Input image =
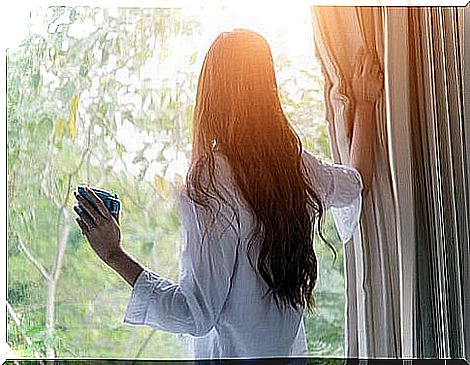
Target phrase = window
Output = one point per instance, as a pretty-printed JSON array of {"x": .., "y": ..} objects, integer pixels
[{"x": 105, "y": 96}]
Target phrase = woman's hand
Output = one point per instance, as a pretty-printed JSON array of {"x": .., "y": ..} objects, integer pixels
[
  {"x": 99, "y": 226},
  {"x": 367, "y": 82}
]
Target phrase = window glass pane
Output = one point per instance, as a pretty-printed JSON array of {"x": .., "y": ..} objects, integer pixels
[{"x": 105, "y": 96}]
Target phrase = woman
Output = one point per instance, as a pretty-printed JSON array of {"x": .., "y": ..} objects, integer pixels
[{"x": 252, "y": 200}]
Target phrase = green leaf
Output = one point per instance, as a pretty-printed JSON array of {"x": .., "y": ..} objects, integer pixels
[
  {"x": 161, "y": 185},
  {"x": 73, "y": 115},
  {"x": 120, "y": 148},
  {"x": 59, "y": 127}
]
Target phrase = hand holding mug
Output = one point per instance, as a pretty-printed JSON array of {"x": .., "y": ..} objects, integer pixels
[{"x": 98, "y": 225}]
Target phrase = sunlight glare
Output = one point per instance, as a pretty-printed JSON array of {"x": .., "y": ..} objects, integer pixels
[{"x": 268, "y": 19}]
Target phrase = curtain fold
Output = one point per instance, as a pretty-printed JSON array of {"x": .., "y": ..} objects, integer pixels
[
  {"x": 371, "y": 259},
  {"x": 443, "y": 213},
  {"x": 407, "y": 270}
]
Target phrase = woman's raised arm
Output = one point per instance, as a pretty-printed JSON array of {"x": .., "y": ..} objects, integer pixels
[{"x": 367, "y": 85}]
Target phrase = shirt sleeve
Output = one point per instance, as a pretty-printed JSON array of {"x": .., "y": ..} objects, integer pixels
[
  {"x": 193, "y": 304},
  {"x": 341, "y": 187}
]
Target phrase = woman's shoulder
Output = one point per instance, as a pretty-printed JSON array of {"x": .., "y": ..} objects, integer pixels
[
  {"x": 340, "y": 183},
  {"x": 321, "y": 166},
  {"x": 202, "y": 167},
  {"x": 316, "y": 165},
  {"x": 208, "y": 175},
  {"x": 307, "y": 155}
]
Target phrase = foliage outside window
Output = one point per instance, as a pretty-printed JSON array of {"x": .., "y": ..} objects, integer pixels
[{"x": 105, "y": 97}]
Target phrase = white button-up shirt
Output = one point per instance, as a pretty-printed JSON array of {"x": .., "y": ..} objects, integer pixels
[{"x": 217, "y": 305}]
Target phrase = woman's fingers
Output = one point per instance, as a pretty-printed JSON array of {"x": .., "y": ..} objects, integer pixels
[
  {"x": 374, "y": 70},
  {"x": 368, "y": 63},
  {"x": 367, "y": 79},
  {"x": 360, "y": 53},
  {"x": 378, "y": 71},
  {"x": 87, "y": 206},
  {"x": 82, "y": 225},
  {"x": 365, "y": 62},
  {"x": 357, "y": 70},
  {"x": 84, "y": 217},
  {"x": 358, "y": 61},
  {"x": 102, "y": 210}
]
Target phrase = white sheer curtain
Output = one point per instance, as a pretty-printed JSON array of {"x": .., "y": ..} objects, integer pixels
[
  {"x": 371, "y": 259},
  {"x": 407, "y": 271}
]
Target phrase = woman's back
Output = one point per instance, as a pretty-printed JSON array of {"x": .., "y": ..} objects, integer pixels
[
  {"x": 272, "y": 201},
  {"x": 235, "y": 301},
  {"x": 249, "y": 324},
  {"x": 225, "y": 295}
]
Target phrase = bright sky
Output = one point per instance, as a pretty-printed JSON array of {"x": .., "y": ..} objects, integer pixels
[{"x": 293, "y": 20}]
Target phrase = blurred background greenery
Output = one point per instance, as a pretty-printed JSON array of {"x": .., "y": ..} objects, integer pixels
[{"x": 104, "y": 96}]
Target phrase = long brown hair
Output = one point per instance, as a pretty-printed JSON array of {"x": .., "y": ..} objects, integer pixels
[{"x": 238, "y": 112}]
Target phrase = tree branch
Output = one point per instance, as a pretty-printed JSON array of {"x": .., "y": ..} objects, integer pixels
[
  {"x": 16, "y": 320},
  {"x": 30, "y": 257},
  {"x": 144, "y": 345},
  {"x": 62, "y": 243}
]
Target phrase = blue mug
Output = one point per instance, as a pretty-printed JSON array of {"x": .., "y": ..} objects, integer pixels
[{"x": 110, "y": 200}]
